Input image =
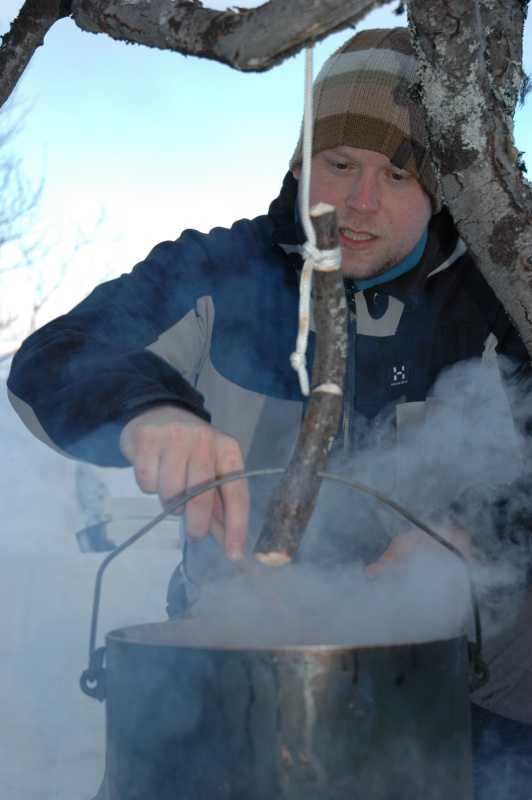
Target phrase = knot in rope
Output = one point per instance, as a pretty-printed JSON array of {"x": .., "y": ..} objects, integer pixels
[
  {"x": 311, "y": 252},
  {"x": 322, "y": 259}
]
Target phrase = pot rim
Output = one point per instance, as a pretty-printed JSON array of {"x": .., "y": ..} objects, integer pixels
[{"x": 209, "y": 634}]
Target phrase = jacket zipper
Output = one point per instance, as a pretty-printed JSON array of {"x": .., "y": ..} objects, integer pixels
[{"x": 349, "y": 389}]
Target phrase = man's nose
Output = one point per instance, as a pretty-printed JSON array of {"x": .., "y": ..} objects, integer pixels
[{"x": 363, "y": 194}]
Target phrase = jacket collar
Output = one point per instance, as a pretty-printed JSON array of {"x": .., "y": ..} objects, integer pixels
[{"x": 443, "y": 247}]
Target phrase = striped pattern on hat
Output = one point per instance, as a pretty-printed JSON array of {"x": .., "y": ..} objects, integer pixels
[{"x": 363, "y": 98}]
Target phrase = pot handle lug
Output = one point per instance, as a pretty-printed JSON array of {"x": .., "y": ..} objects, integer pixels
[
  {"x": 479, "y": 672},
  {"x": 93, "y": 679}
]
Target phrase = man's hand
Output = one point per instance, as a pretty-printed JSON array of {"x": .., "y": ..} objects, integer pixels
[
  {"x": 405, "y": 545},
  {"x": 172, "y": 451}
]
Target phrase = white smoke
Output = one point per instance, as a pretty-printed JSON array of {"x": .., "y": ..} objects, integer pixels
[
  {"x": 52, "y": 737},
  {"x": 47, "y": 583}
]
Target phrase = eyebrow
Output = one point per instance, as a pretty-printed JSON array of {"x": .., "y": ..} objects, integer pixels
[
  {"x": 337, "y": 153},
  {"x": 337, "y": 150},
  {"x": 340, "y": 156}
]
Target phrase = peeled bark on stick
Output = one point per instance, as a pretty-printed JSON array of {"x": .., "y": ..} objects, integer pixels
[{"x": 292, "y": 501}]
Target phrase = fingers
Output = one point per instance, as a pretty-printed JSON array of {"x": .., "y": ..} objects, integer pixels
[
  {"x": 399, "y": 551},
  {"x": 213, "y": 455},
  {"x": 235, "y": 500},
  {"x": 141, "y": 446},
  {"x": 236, "y": 514},
  {"x": 404, "y": 545},
  {"x": 173, "y": 452},
  {"x": 200, "y": 468},
  {"x": 225, "y": 512}
]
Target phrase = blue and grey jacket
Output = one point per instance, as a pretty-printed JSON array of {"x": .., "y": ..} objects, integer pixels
[{"x": 208, "y": 323}]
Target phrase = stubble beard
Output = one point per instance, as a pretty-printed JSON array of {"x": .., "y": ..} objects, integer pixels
[
  {"x": 354, "y": 267},
  {"x": 358, "y": 265}
]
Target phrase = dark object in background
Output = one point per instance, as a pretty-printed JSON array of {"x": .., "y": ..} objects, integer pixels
[
  {"x": 93, "y": 538},
  {"x": 92, "y": 495}
]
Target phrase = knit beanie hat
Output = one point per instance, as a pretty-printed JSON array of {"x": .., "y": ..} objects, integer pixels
[{"x": 363, "y": 98}]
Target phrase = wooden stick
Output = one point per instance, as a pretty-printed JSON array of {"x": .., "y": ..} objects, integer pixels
[
  {"x": 256, "y": 579},
  {"x": 292, "y": 501}
]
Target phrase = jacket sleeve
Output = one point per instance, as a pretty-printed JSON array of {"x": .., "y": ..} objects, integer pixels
[{"x": 78, "y": 380}]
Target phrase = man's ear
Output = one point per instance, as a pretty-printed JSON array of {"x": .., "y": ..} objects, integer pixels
[{"x": 296, "y": 172}]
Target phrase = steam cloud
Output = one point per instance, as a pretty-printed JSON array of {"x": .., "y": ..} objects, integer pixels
[{"x": 465, "y": 454}]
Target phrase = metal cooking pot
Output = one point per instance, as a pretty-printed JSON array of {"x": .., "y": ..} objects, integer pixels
[
  {"x": 196, "y": 712},
  {"x": 191, "y": 717}
]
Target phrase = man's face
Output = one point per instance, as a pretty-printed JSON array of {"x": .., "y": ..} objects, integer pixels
[{"x": 382, "y": 211}]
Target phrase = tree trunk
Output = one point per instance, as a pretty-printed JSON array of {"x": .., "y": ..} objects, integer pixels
[
  {"x": 470, "y": 67},
  {"x": 26, "y": 34}
]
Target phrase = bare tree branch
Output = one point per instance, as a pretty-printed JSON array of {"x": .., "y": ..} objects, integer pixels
[
  {"x": 254, "y": 40},
  {"x": 249, "y": 40},
  {"x": 470, "y": 53},
  {"x": 26, "y": 34}
]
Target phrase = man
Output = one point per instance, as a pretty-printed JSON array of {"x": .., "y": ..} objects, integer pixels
[{"x": 122, "y": 378}]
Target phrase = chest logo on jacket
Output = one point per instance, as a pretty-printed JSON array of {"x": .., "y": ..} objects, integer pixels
[{"x": 399, "y": 374}]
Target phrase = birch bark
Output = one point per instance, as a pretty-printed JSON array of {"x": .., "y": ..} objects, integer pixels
[{"x": 470, "y": 55}]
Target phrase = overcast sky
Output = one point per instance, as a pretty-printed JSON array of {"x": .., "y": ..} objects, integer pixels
[{"x": 156, "y": 142}]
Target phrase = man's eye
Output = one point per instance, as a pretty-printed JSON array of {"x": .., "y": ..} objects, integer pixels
[
  {"x": 341, "y": 166},
  {"x": 396, "y": 176}
]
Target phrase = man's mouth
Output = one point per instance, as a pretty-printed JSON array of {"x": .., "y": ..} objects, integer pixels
[{"x": 356, "y": 237}]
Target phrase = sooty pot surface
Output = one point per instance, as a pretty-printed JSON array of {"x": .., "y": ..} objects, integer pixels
[{"x": 199, "y": 710}]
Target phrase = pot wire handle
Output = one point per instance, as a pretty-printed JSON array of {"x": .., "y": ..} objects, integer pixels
[
  {"x": 92, "y": 681},
  {"x": 479, "y": 674}
]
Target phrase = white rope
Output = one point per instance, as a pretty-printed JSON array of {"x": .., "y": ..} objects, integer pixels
[
  {"x": 314, "y": 257},
  {"x": 304, "y": 194},
  {"x": 324, "y": 260}
]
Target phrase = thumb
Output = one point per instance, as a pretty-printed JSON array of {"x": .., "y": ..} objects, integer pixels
[{"x": 397, "y": 552}]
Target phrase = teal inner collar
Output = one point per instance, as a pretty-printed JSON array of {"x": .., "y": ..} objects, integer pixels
[{"x": 408, "y": 263}]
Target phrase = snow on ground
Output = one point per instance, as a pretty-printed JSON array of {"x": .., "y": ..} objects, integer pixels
[{"x": 52, "y": 737}]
